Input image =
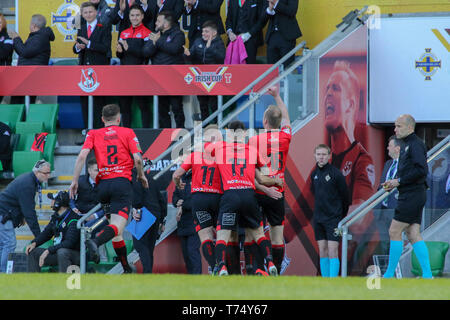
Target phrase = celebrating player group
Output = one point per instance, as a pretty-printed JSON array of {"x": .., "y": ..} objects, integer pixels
[{"x": 237, "y": 185}]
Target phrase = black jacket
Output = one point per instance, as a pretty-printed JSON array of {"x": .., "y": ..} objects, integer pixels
[
  {"x": 97, "y": 53},
  {"x": 285, "y": 19},
  {"x": 412, "y": 164},
  {"x": 247, "y": 18},
  {"x": 17, "y": 202},
  {"x": 215, "y": 54},
  {"x": 87, "y": 196},
  {"x": 135, "y": 38},
  {"x": 392, "y": 199},
  {"x": 5, "y": 142},
  {"x": 205, "y": 10},
  {"x": 36, "y": 50},
  {"x": 105, "y": 18},
  {"x": 168, "y": 49},
  {"x": 174, "y": 6},
  {"x": 151, "y": 198},
  {"x": 331, "y": 194},
  {"x": 185, "y": 227},
  {"x": 125, "y": 23},
  {"x": 6, "y": 48},
  {"x": 64, "y": 226}
]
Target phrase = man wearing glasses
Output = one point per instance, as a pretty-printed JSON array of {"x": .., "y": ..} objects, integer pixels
[{"x": 17, "y": 206}]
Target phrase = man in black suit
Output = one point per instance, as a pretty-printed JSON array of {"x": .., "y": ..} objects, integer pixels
[
  {"x": 166, "y": 47},
  {"x": 244, "y": 19},
  {"x": 283, "y": 29},
  {"x": 92, "y": 49},
  {"x": 104, "y": 17},
  {"x": 121, "y": 13},
  {"x": 200, "y": 12},
  {"x": 157, "y": 6},
  {"x": 384, "y": 212},
  {"x": 87, "y": 196}
]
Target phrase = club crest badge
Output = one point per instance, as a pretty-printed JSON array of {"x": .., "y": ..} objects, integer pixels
[{"x": 89, "y": 81}]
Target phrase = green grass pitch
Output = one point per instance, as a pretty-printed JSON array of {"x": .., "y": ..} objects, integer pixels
[{"x": 204, "y": 287}]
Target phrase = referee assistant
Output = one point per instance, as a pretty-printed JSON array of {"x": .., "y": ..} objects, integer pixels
[
  {"x": 117, "y": 150},
  {"x": 411, "y": 184},
  {"x": 331, "y": 203}
]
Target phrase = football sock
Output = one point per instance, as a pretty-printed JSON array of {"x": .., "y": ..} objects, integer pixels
[
  {"x": 249, "y": 258},
  {"x": 258, "y": 260},
  {"x": 233, "y": 258},
  {"x": 278, "y": 255},
  {"x": 264, "y": 247},
  {"x": 325, "y": 267},
  {"x": 421, "y": 251},
  {"x": 208, "y": 253},
  {"x": 334, "y": 267},
  {"x": 395, "y": 251},
  {"x": 108, "y": 232},
  {"x": 220, "y": 251},
  {"x": 121, "y": 250}
]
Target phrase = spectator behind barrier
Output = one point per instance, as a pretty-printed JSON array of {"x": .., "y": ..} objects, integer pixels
[
  {"x": 209, "y": 49},
  {"x": 165, "y": 48},
  {"x": 36, "y": 50},
  {"x": 6, "y": 45},
  {"x": 245, "y": 20},
  {"x": 92, "y": 49},
  {"x": 129, "y": 50}
]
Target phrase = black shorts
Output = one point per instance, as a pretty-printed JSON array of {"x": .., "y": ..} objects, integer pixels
[
  {"x": 205, "y": 209},
  {"x": 410, "y": 206},
  {"x": 325, "y": 230},
  {"x": 272, "y": 209},
  {"x": 238, "y": 207},
  {"x": 118, "y": 194}
]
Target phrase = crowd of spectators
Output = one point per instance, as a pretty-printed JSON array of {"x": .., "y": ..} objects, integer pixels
[{"x": 149, "y": 33}]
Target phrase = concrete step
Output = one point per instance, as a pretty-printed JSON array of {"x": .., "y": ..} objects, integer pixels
[{"x": 65, "y": 158}]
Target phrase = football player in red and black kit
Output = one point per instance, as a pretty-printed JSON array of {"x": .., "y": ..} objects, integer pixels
[
  {"x": 236, "y": 161},
  {"x": 117, "y": 150},
  {"x": 206, "y": 188},
  {"x": 273, "y": 148}
]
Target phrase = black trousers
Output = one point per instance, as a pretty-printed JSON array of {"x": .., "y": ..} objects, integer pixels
[
  {"x": 126, "y": 103},
  {"x": 176, "y": 102},
  {"x": 190, "y": 246},
  {"x": 277, "y": 47},
  {"x": 208, "y": 104},
  {"x": 252, "y": 48},
  {"x": 21, "y": 99},
  {"x": 99, "y": 103},
  {"x": 63, "y": 258},
  {"x": 145, "y": 247}
]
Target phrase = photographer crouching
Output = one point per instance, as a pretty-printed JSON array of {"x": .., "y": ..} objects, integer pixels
[{"x": 65, "y": 250}]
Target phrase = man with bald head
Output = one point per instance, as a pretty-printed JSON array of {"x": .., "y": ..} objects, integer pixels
[
  {"x": 411, "y": 184},
  {"x": 342, "y": 102}
]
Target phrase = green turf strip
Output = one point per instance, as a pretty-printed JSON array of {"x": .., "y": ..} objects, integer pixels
[{"x": 185, "y": 287}]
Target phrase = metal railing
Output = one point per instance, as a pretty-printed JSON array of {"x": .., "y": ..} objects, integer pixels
[
  {"x": 219, "y": 111},
  {"x": 83, "y": 232},
  {"x": 253, "y": 98},
  {"x": 372, "y": 202}
]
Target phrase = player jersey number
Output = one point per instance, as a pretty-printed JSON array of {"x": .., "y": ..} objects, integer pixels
[
  {"x": 211, "y": 174},
  {"x": 276, "y": 161},
  {"x": 112, "y": 155},
  {"x": 236, "y": 163}
]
